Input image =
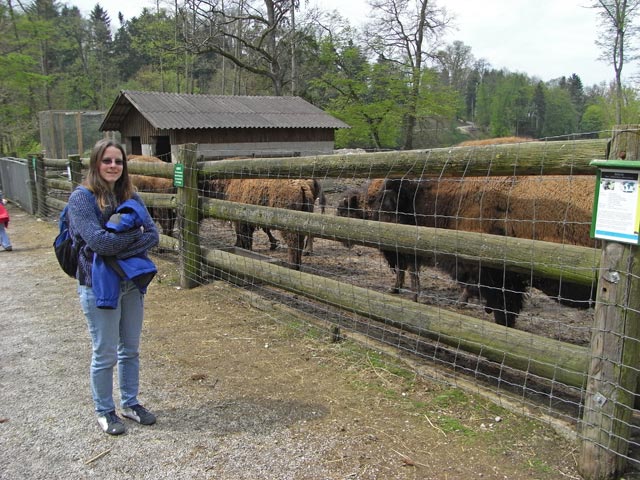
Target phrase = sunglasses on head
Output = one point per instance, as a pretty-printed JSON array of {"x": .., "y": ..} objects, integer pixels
[{"x": 109, "y": 161}]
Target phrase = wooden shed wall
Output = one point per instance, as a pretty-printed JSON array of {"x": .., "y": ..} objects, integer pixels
[
  {"x": 251, "y": 135},
  {"x": 226, "y": 142},
  {"x": 135, "y": 125}
]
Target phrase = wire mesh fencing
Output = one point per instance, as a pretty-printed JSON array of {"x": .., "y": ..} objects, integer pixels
[{"x": 476, "y": 261}]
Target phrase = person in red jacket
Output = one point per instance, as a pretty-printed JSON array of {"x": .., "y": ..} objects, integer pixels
[{"x": 4, "y": 223}]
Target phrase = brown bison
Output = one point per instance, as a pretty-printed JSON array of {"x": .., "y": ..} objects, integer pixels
[
  {"x": 165, "y": 217},
  {"x": 553, "y": 209},
  {"x": 291, "y": 194},
  {"x": 494, "y": 141}
]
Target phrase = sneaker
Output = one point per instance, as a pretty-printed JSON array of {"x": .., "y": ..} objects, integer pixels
[
  {"x": 139, "y": 414},
  {"x": 111, "y": 423},
  {"x": 8, "y": 249}
]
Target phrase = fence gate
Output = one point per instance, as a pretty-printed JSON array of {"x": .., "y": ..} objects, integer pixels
[{"x": 16, "y": 184}]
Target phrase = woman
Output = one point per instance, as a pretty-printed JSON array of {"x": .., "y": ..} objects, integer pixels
[{"x": 115, "y": 331}]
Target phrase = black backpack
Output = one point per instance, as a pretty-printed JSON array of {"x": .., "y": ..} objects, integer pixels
[{"x": 66, "y": 250}]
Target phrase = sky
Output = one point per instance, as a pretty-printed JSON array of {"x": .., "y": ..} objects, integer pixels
[{"x": 542, "y": 38}]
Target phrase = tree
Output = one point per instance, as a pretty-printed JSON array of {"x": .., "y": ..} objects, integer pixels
[
  {"x": 128, "y": 60},
  {"x": 539, "y": 109},
  {"x": 593, "y": 120},
  {"x": 618, "y": 29},
  {"x": 255, "y": 36},
  {"x": 560, "y": 118},
  {"x": 474, "y": 80},
  {"x": 406, "y": 32},
  {"x": 367, "y": 97},
  {"x": 29, "y": 60},
  {"x": 456, "y": 70},
  {"x": 42, "y": 14},
  {"x": 576, "y": 91},
  {"x": 152, "y": 39},
  {"x": 100, "y": 57},
  {"x": 437, "y": 110}
]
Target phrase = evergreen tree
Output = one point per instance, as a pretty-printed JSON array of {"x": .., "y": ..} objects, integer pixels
[
  {"x": 539, "y": 110},
  {"x": 100, "y": 58},
  {"x": 576, "y": 92}
]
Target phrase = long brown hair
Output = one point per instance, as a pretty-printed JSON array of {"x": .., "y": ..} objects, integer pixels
[{"x": 123, "y": 188}]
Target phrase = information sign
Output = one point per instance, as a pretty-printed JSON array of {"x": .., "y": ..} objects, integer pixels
[
  {"x": 617, "y": 206},
  {"x": 178, "y": 175}
]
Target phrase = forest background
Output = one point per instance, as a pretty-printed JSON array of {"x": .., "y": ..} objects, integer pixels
[{"x": 392, "y": 79}]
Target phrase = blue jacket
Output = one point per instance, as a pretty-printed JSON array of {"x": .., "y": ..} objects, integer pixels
[
  {"x": 107, "y": 272},
  {"x": 87, "y": 223}
]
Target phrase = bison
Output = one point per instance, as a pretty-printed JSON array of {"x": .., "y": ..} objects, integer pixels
[
  {"x": 554, "y": 209},
  {"x": 291, "y": 194},
  {"x": 165, "y": 217},
  {"x": 494, "y": 141}
]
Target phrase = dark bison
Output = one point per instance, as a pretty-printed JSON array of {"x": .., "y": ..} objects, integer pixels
[
  {"x": 291, "y": 194},
  {"x": 553, "y": 209}
]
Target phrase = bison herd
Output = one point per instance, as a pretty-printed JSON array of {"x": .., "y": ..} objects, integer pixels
[{"x": 549, "y": 208}]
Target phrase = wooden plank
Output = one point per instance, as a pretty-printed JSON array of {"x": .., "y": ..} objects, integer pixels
[
  {"x": 164, "y": 170},
  {"x": 56, "y": 163},
  {"x": 528, "y": 158},
  {"x": 41, "y": 185},
  {"x": 59, "y": 184},
  {"x": 75, "y": 169},
  {"x": 160, "y": 200}
]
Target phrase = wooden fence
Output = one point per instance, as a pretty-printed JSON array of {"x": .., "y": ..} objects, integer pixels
[{"x": 608, "y": 409}]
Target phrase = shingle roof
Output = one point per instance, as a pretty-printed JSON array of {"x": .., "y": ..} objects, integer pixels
[{"x": 175, "y": 111}]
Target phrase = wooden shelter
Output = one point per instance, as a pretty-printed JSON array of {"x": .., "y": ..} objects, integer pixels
[{"x": 154, "y": 123}]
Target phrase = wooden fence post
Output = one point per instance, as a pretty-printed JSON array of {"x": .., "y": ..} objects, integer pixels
[
  {"x": 605, "y": 428},
  {"x": 75, "y": 170},
  {"x": 40, "y": 184},
  {"x": 188, "y": 217},
  {"x": 31, "y": 167}
]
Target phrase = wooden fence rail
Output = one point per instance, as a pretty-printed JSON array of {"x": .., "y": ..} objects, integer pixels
[{"x": 529, "y": 158}]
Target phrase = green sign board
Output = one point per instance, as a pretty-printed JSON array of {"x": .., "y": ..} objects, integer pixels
[{"x": 178, "y": 175}]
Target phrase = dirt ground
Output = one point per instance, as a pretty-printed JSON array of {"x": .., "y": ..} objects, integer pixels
[{"x": 240, "y": 393}]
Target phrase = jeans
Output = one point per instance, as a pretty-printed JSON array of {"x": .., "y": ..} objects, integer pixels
[
  {"x": 4, "y": 237},
  {"x": 115, "y": 336}
]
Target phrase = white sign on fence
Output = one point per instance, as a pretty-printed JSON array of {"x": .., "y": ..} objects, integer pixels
[{"x": 617, "y": 210}]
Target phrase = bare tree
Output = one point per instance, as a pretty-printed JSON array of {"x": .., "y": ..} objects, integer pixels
[
  {"x": 406, "y": 32},
  {"x": 616, "y": 19},
  {"x": 254, "y": 35},
  {"x": 456, "y": 62}
]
